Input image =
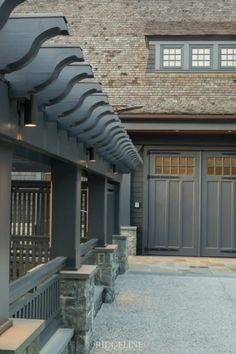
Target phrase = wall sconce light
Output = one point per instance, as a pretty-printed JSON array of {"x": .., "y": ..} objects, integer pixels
[
  {"x": 91, "y": 155},
  {"x": 114, "y": 169},
  {"x": 30, "y": 112}
]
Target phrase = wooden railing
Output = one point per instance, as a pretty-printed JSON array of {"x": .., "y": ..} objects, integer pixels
[
  {"x": 37, "y": 294},
  {"x": 27, "y": 252},
  {"x": 86, "y": 248}
]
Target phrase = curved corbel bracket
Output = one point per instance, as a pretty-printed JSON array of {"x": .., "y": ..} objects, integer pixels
[
  {"x": 98, "y": 117},
  {"x": 115, "y": 148},
  {"x": 86, "y": 137},
  {"x": 60, "y": 88},
  {"x": 21, "y": 38},
  {"x": 84, "y": 111},
  {"x": 114, "y": 138},
  {"x": 73, "y": 101},
  {"x": 43, "y": 70},
  {"x": 124, "y": 156},
  {"x": 99, "y": 134},
  {"x": 126, "y": 150},
  {"x": 6, "y": 7},
  {"x": 103, "y": 136}
]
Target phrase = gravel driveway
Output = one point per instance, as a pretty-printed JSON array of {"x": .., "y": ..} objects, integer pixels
[{"x": 181, "y": 312}]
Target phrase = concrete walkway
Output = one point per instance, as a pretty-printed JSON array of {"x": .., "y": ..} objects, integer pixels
[{"x": 167, "y": 306}]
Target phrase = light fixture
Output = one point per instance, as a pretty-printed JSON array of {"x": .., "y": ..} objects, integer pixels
[
  {"x": 30, "y": 112},
  {"x": 91, "y": 155},
  {"x": 114, "y": 169}
]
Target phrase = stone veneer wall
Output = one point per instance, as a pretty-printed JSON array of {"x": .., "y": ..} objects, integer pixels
[{"x": 112, "y": 34}]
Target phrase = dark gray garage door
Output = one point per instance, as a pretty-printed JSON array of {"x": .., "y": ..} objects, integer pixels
[
  {"x": 218, "y": 200},
  {"x": 173, "y": 224},
  {"x": 191, "y": 209}
]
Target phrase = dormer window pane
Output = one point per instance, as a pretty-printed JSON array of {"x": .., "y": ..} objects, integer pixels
[
  {"x": 172, "y": 57},
  {"x": 228, "y": 57},
  {"x": 201, "y": 57}
]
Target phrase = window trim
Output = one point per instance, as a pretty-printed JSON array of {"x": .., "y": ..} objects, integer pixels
[{"x": 186, "y": 45}]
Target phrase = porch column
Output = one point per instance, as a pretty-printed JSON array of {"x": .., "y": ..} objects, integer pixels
[
  {"x": 6, "y": 155},
  {"x": 125, "y": 200},
  {"x": 97, "y": 208},
  {"x": 66, "y": 200},
  {"x": 117, "y": 210}
]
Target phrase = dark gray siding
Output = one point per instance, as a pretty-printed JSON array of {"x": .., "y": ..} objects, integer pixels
[{"x": 137, "y": 196}]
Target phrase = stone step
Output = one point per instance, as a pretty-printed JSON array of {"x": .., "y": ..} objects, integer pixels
[{"x": 59, "y": 341}]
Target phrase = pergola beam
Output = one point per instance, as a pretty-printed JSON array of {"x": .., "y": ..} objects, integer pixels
[
  {"x": 43, "y": 70},
  {"x": 59, "y": 89},
  {"x": 6, "y": 7},
  {"x": 21, "y": 38}
]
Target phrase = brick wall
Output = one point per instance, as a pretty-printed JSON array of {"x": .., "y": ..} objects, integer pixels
[{"x": 112, "y": 34}]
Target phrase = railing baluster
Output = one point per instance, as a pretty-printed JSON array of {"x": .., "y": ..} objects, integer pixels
[{"x": 27, "y": 252}]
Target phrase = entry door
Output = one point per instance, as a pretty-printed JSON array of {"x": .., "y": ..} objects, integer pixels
[
  {"x": 173, "y": 215},
  {"x": 218, "y": 204}
]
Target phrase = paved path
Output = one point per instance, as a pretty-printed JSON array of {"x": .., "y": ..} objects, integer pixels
[{"x": 170, "y": 309}]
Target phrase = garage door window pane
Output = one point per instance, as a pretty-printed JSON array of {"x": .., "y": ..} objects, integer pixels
[
  {"x": 174, "y": 166},
  {"x": 221, "y": 166},
  {"x": 190, "y": 171}
]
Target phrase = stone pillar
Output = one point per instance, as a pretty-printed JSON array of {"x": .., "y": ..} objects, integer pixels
[
  {"x": 131, "y": 231},
  {"x": 106, "y": 260},
  {"x": 122, "y": 251},
  {"x": 77, "y": 304}
]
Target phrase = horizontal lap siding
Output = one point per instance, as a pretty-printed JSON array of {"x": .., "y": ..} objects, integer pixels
[{"x": 137, "y": 196}]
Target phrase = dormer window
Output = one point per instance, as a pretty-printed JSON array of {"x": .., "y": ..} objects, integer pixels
[{"x": 191, "y": 55}]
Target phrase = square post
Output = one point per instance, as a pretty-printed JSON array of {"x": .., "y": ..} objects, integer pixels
[
  {"x": 117, "y": 210},
  {"x": 6, "y": 157},
  {"x": 66, "y": 201},
  {"x": 97, "y": 208},
  {"x": 125, "y": 200}
]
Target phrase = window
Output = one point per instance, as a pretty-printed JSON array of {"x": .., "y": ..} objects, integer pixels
[
  {"x": 171, "y": 57},
  {"x": 200, "y": 57},
  {"x": 221, "y": 166},
  {"x": 174, "y": 166},
  {"x": 191, "y": 55},
  {"x": 228, "y": 57}
]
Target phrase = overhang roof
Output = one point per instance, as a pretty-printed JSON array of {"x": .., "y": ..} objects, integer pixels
[{"x": 190, "y": 28}]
